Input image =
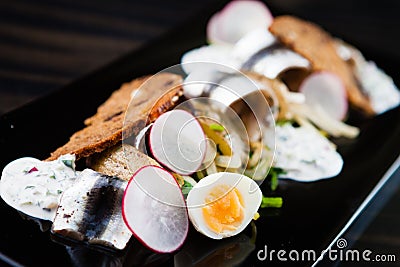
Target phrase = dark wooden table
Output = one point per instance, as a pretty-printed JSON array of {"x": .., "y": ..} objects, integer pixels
[{"x": 46, "y": 44}]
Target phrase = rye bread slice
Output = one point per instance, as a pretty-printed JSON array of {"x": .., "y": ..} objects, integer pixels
[
  {"x": 120, "y": 160},
  {"x": 120, "y": 117},
  {"x": 315, "y": 44}
]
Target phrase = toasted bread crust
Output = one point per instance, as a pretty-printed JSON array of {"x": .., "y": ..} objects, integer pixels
[
  {"x": 315, "y": 44},
  {"x": 119, "y": 117}
]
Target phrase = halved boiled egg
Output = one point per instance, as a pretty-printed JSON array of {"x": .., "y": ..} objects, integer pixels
[{"x": 223, "y": 204}]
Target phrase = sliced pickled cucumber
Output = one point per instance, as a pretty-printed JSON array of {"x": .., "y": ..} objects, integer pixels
[{"x": 218, "y": 138}]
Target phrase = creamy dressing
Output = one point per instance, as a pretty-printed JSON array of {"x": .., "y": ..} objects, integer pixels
[
  {"x": 34, "y": 187},
  {"x": 305, "y": 154},
  {"x": 379, "y": 87},
  {"x": 375, "y": 83}
]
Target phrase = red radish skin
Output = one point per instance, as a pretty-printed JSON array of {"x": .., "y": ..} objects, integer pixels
[
  {"x": 326, "y": 90},
  {"x": 142, "y": 237},
  {"x": 34, "y": 169},
  {"x": 223, "y": 27},
  {"x": 165, "y": 162}
]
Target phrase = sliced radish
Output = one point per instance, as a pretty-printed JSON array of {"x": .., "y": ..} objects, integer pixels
[
  {"x": 236, "y": 19},
  {"x": 326, "y": 90},
  {"x": 154, "y": 209},
  {"x": 178, "y": 142}
]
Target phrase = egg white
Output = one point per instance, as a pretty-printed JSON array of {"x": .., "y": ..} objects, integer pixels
[{"x": 251, "y": 195}]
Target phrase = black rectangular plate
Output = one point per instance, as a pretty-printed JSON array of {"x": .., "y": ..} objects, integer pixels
[{"x": 313, "y": 213}]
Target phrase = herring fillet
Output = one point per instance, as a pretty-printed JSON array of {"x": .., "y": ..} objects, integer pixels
[{"x": 90, "y": 211}]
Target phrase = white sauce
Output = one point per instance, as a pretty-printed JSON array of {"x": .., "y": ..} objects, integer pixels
[
  {"x": 379, "y": 87},
  {"x": 375, "y": 83},
  {"x": 305, "y": 154},
  {"x": 34, "y": 187}
]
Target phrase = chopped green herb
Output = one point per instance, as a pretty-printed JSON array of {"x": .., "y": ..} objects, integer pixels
[
  {"x": 178, "y": 178},
  {"x": 273, "y": 174},
  {"x": 69, "y": 163},
  {"x": 200, "y": 175},
  {"x": 274, "y": 182},
  {"x": 271, "y": 202},
  {"x": 251, "y": 152},
  {"x": 217, "y": 127},
  {"x": 59, "y": 192},
  {"x": 283, "y": 122},
  {"x": 53, "y": 176},
  {"x": 311, "y": 162},
  {"x": 29, "y": 186},
  {"x": 27, "y": 170},
  {"x": 48, "y": 193},
  {"x": 186, "y": 187}
]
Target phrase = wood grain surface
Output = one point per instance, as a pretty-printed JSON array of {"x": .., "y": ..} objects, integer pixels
[{"x": 46, "y": 44}]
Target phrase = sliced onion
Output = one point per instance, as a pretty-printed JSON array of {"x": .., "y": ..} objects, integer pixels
[{"x": 320, "y": 118}]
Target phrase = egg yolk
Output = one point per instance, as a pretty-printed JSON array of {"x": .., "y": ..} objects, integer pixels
[{"x": 224, "y": 210}]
